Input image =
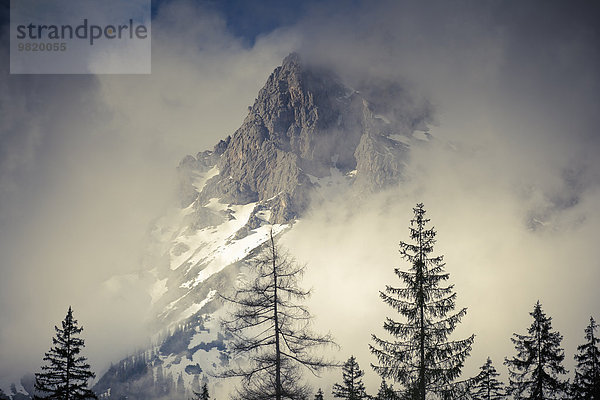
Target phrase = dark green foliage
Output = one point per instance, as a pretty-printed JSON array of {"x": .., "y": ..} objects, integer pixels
[
  {"x": 178, "y": 341},
  {"x": 137, "y": 377},
  {"x": 319, "y": 395},
  {"x": 386, "y": 392},
  {"x": 270, "y": 328},
  {"x": 586, "y": 385},
  {"x": 421, "y": 356},
  {"x": 485, "y": 386},
  {"x": 66, "y": 374},
  {"x": 141, "y": 376},
  {"x": 352, "y": 386},
  {"x": 203, "y": 394},
  {"x": 534, "y": 372}
]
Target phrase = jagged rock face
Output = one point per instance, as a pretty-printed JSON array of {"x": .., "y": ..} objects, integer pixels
[
  {"x": 304, "y": 122},
  {"x": 292, "y": 130},
  {"x": 379, "y": 162}
]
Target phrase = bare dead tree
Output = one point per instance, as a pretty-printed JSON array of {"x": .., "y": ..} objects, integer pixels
[{"x": 271, "y": 329}]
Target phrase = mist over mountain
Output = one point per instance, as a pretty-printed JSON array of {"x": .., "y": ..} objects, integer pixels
[
  {"x": 504, "y": 156},
  {"x": 306, "y": 133}
]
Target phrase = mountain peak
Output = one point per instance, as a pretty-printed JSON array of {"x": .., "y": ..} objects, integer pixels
[
  {"x": 292, "y": 60},
  {"x": 304, "y": 122}
]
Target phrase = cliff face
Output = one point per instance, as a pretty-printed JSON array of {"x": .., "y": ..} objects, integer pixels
[{"x": 304, "y": 122}]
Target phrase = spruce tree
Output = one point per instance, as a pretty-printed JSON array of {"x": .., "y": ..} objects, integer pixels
[
  {"x": 485, "y": 386},
  {"x": 270, "y": 328},
  {"x": 386, "y": 392},
  {"x": 534, "y": 372},
  {"x": 586, "y": 385},
  {"x": 66, "y": 374},
  {"x": 203, "y": 394},
  {"x": 319, "y": 395},
  {"x": 352, "y": 387},
  {"x": 421, "y": 356}
]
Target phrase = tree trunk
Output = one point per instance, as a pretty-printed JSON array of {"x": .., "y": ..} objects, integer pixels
[
  {"x": 68, "y": 372},
  {"x": 276, "y": 321},
  {"x": 539, "y": 345},
  {"x": 422, "y": 319}
]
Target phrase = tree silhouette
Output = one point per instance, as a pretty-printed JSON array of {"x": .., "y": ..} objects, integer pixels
[
  {"x": 485, "y": 386},
  {"x": 586, "y": 385},
  {"x": 319, "y": 395},
  {"x": 270, "y": 326},
  {"x": 534, "y": 371},
  {"x": 203, "y": 394},
  {"x": 66, "y": 374},
  {"x": 386, "y": 392},
  {"x": 421, "y": 356},
  {"x": 352, "y": 387}
]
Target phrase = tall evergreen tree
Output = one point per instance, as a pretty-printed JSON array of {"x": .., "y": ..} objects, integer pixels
[
  {"x": 586, "y": 385},
  {"x": 270, "y": 327},
  {"x": 319, "y": 395},
  {"x": 352, "y": 386},
  {"x": 66, "y": 374},
  {"x": 421, "y": 356},
  {"x": 534, "y": 372},
  {"x": 485, "y": 386}
]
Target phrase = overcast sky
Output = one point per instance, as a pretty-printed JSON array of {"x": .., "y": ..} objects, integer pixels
[{"x": 510, "y": 181}]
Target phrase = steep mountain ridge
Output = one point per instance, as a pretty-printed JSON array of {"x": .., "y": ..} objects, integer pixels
[
  {"x": 306, "y": 134},
  {"x": 303, "y": 122}
]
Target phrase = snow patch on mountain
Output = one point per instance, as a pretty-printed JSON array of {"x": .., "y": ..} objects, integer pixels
[
  {"x": 194, "y": 308},
  {"x": 231, "y": 251},
  {"x": 201, "y": 179}
]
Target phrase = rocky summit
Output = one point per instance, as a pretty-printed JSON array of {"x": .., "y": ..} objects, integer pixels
[{"x": 304, "y": 122}]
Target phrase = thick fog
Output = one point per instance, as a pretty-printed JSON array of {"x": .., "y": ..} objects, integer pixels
[{"x": 510, "y": 178}]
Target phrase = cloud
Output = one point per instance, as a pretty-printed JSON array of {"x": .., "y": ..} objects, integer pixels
[
  {"x": 500, "y": 265},
  {"x": 87, "y": 162},
  {"x": 510, "y": 182}
]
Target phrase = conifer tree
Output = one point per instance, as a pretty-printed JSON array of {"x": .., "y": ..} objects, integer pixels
[
  {"x": 66, "y": 374},
  {"x": 352, "y": 387},
  {"x": 180, "y": 386},
  {"x": 485, "y": 386},
  {"x": 270, "y": 328},
  {"x": 534, "y": 372},
  {"x": 319, "y": 395},
  {"x": 386, "y": 392},
  {"x": 586, "y": 385},
  {"x": 421, "y": 356},
  {"x": 203, "y": 394}
]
